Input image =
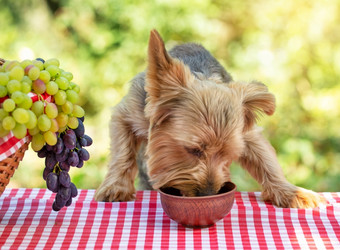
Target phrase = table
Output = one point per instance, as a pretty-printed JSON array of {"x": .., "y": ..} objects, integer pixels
[{"x": 27, "y": 221}]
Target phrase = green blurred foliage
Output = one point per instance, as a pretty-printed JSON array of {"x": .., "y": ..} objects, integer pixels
[{"x": 292, "y": 46}]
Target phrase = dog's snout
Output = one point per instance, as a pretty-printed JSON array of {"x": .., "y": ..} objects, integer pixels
[{"x": 209, "y": 190}]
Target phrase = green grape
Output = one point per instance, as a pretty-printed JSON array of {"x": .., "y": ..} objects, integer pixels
[
  {"x": 51, "y": 110},
  {"x": 60, "y": 97},
  {"x": 26, "y": 79},
  {"x": 72, "y": 85},
  {"x": 25, "y": 63},
  {"x": 8, "y": 105},
  {"x": 28, "y": 68},
  {"x": 53, "y": 70},
  {"x": 32, "y": 122},
  {"x": 52, "y": 61},
  {"x": 33, "y": 72},
  {"x": 73, "y": 122},
  {"x": 62, "y": 82},
  {"x": 17, "y": 97},
  {"x": 26, "y": 103},
  {"x": 13, "y": 85},
  {"x": 25, "y": 87},
  {"x": 3, "y": 132},
  {"x": 78, "y": 111},
  {"x": 8, "y": 123},
  {"x": 4, "y": 65},
  {"x": 3, "y": 91},
  {"x": 11, "y": 65},
  {"x": 3, "y": 114},
  {"x": 67, "y": 107},
  {"x": 44, "y": 123},
  {"x": 54, "y": 125},
  {"x": 72, "y": 96},
  {"x": 38, "y": 142},
  {"x": 38, "y": 108},
  {"x": 62, "y": 119},
  {"x": 34, "y": 131},
  {"x": 62, "y": 129},
  {"x": 3, "y": 78},
  {"x": 76, "y": 89},
  {"x": 19, "y": 131},
  {"x": 67, "y": 75},
  {"x": 21, "y": 115},
  {"x": 16, "y": 73},
  {"x": 52, "y": 88},
  {"x": 39, "y": 64},
  {"x": 45, "y": 76},
  {"x": 39, "y": 86},
  {"x": 50, "y": 138}
]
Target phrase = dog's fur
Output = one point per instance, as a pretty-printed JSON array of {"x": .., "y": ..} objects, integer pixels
[{"x": 194, "y": 120}]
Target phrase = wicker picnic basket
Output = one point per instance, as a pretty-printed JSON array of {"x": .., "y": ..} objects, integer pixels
[{"x": 11, "y": 163}]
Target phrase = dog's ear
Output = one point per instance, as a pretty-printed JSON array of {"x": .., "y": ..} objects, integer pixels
[
  {"x": 165, "y": 75},
  {"x": 256, "y": 100}
]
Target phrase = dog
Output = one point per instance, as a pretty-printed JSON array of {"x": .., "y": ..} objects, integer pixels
[{"x": 193, "y": 120}]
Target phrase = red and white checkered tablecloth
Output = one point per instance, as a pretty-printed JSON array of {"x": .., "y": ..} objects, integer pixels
[{"x": 27, "y": 222}]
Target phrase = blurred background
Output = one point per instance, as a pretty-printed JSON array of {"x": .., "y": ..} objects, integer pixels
[{"x": 293, "y": 46}]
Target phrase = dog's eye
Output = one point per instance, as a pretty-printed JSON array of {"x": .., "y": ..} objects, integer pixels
[{"x": 195, "y": 151}]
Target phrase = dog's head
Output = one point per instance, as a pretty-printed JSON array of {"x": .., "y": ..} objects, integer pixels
[{"x": 197, "y": 124}]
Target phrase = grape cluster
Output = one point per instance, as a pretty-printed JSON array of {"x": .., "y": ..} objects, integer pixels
[
  {"x": 43, "y": 120},
  {"x": 56, "y": 126},
  {"x": 68, "y": 152}
]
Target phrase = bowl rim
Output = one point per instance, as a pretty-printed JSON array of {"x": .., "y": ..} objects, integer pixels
[{"x": 199, "y": 197}]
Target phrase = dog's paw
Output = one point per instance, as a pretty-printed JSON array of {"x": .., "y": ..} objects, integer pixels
[
  {"x": 306, "y": 199},
  {"x": 112, "y": 193},
  {"x": 295, "y": 197}
]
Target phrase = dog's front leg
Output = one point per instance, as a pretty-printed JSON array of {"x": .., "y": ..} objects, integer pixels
[
  {"x": 260, "y": 160},
  {"x": 122, "y": 169}
]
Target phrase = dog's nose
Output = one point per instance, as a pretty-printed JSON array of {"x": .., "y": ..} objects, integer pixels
[{"x": 206, "y": 192}]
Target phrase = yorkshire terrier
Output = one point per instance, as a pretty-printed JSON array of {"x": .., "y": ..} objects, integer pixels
[{"x": 194, "y": 120}]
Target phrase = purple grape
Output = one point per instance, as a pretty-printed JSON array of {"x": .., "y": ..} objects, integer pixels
[
  {"x": 50, "y": 160},
  {"x": 69, "y": 202},
  {"x": 80, "y": 130},
  {"x": 70, "y": 132},
  {"x": 78, "y": 146},
  {"x": 64, "y": 179},
  {"x": 64, "y": 192},
  {"x": 59, "y": 146},
  {"x": 73, "y": 158},
  {"x": 64, "y": 166},
  {"x": 55, "y": 207},
  {"x": 59, "y": 200},
  {"x": 83, "y": 154},
  {"x": 52, "y": 182},
  {"x": 63, "y": 156},
  {"x": 74, "y": 190},
  {"x": 42, "y": 152},
  {"x": 82, "y": 118},
  {"x": 46, "y": 172},
  {"x": 40, "y": 59},
  {"x": 88, "y": 139},
  {"x": 49, "y": 147},
  {"x": 70, "y": 139},
  {"x": 80, "y": 164},
  {"x": 83, "y": 142}
]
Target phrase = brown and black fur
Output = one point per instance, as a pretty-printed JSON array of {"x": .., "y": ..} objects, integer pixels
[{"x": 193, "y": 120}]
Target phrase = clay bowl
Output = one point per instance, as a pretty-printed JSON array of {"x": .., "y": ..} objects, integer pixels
[{"x": 198, "y": 212}]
